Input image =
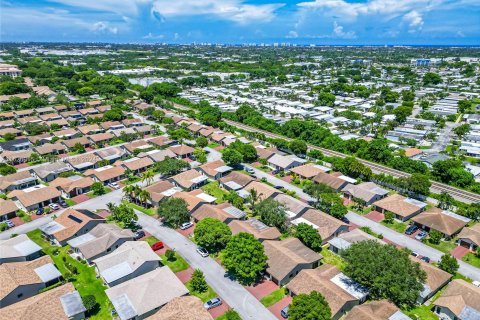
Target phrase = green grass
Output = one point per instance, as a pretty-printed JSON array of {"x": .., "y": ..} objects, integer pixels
[
  {"x": 273, "y": 297},
  {"x": 472, "y": 259},
  {"x": 213, "y": 145},
  {"x": 149, "y": 211},
  {"x": 421, "y": 312},
  {"x": 444, "y": 246},
  {"x": 362, "y": 212},
  {"x": 70, "y": 202},
  {"x": 225, "y": 317},
  {"x": 179, "y": 264},
  {"x": 213, "y": 189},
  {"x": 85, "y": 281},
  {"x": 331, "y": 258},
  {"x": 204, "y": 296},
  {"x": 400, "y": 227},
  {"x": 151, "y": 240}
]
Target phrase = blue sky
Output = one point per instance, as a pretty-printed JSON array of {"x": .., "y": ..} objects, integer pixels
[{"x": 418, "y": 22}]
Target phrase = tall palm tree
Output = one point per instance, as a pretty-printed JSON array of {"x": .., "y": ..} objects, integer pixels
[
  {"x": 144, "y": 196},
  {"x": 147, "y": 176},
  {"x": 254, "y": 197},
  {"x": 127, "y": 191}
]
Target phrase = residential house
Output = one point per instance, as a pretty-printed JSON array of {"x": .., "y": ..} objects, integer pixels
[
  {"x": 436, "y": 280},
  {"x": 15, "y": 145},
  {"x": 66, "y": 134},
  {"x": 255, "y": 227},
  {"x": 144, "y": 129},
  {"x": 403, "y": 208},
  {"x": 309, "y": 170},
  {"x": 35, "y": 197},
  {"x": 224, "y": 212},
  {"x": 19, "y": 248},
  {"x": 111, "y": 154},
  {"x": 100, "y": 139},
  {"x": 130, "y": 123},
  {"x": 112, "y": 125},
  {"x": 189, "y": 180},
  {"x": 376, "y": 310},
  {"x": 235, "y": 181},
  {"x": 263, "y": 190},
  {"x": 60, "y": 303},
  {"x": 194, "y": 199},
  {"x": 446, "y": 222},
  {"x": 287, "y": 258},
  {"x": 284, "y": 163},
  {"x": 71, "y": 224},
  {"x": 22, "y": 280},
  {"x": 365, "y": 193},
  {"x": 335, "y": 180},
  {"x": 73, "y": 185},
  {"x": 50, "y": 171},
  {"x": 157, "y": 155},
  {"x": 83, "y": 162},
  {"x": 50, "y": 149},
  {"x": 159, "y": 190},
  {"x": 139, "y": 144},
  {"x": 90, "y": 129},
  {"x": 327, "y": 226},
  {"x": 459, "y": 301},
  {"x": 160, "y": 142},
  {"x": 17, "y": 181},
  {"x": 101, "y": 240},
  {"x": 144, "y": 295},
  {"x": 340, "y": 292},
  {"x": 71, "y": 143},
  {"x": 106, "y": 174},
  {"x": 265, "y": 153},
  {"x": 345, "y": 240},
  {"x": 215, "y": 170},
  {"x": 469, "y": 237},
  {"x": 8, "y": 210},
  {"x": 136, "y": 165},
  {"x": 17, "y": 157},
  {"x": 294, "y": 207},
  {"x": 131, "y": 260},
  {"x": 182, "y": 308},
  {"x": 182, "y": 151}
]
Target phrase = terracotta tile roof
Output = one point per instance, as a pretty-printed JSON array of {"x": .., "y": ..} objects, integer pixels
[
  {"x": 307, "y": 171},
  {"x": 68, "y": 185},
  {"x": 255, "y": 227},
  {"x": 264, "y": 191},
  {"x": 237, "y": 177},
  {"x": 458, "y": 296},
  {"x": 187, "y": 178},
  {"x": 436, "y": 277},
  {"x": 331, "y": 180},
  {"x": 411, "y": 152},
  {"x": 190, "y": 198},
  {"x": 100, "y": 137},
  {"x": 137, "y": 163},
  {"x": 436, "y": 219},
  {"x": 50, "y": 148},
  {"x": 284, "y": 256},
  {"x": 182, "y": 150},
  {"x": 213, "y": 211},
  {"x": 106, "y": 173},
  {"x": 156, "y": 190},
  {"x": 325, "y": 224},
  {"x": 182, "y": 308}
]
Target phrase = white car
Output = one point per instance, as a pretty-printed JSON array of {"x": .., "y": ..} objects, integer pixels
[
  {"x": 54, "y": 206},
  {"x": 202, "y": 251},
  {"x": 476, "y": 283},
  {"x": 186, "y": 225},
  {"x": 114, "y": 185}
]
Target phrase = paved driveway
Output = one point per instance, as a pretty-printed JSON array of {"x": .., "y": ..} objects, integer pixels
[
  {"x": 235, "y": 295},
  {"x": 412, "y": 244}
]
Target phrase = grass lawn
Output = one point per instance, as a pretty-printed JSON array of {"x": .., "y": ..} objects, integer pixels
[
  {"x": 472, "y": 259},
  {"x": 362, "y": 212},
  {"x": 149, "y": 211},
  {"x": 444, "y": 246},
  {"x": 26, "y": 218},
  {"x": 331, "y": 258},
  {"x": 273, "y": 297},
  {"x": 213, "y": 145},
  {"x": 85, "y": 281},
  {"x": 177, "y": 265},
  {"x": 421, "y": 312},
  {"x": 92, "y": 195},
  {"x": 400, "y": 227},
  {"x": 204, "y": 296},
  {"x": 225, "y": 316},
  {"x": 213, "y": 189},
  {"x": 151, "y": 240},
  {"x": 70, "y": 202}
]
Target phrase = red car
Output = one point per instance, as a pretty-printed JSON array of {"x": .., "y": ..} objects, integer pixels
[{"x": 157, "y": 246}]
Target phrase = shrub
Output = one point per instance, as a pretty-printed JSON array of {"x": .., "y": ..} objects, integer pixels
[
  {"x": 198, "y": 281},
  {"x": 170, "y": 255},
  {"x": 435, "y": 236},
  {"x": 389, "y": 216}
]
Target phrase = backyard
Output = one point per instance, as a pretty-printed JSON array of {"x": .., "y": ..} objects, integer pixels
[
  {"x": 213, "y": 189},
  {"x": 331, "y": 258},
  {"x": 85, "y": 281}
]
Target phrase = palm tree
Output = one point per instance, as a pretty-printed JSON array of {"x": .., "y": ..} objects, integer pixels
[
  {"x": 136, "y": 192},
  {"x": 254, "y": 197},
  {"x": 144, "y": 196},
  {"x": 111, "y": 207},
  {"x": 148, "y": 176},
  {"x": 128, "y": 190}
]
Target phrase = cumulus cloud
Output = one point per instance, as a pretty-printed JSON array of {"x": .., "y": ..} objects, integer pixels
[
  {"x": 233, "y": 10},
  {"x": 414, "y": 20},
  {"x": 104, "y": 27},
  {"x": 152, "y": 36},
  {"x": 292, "y": 34},
  {"x": 338, "y": 32}
]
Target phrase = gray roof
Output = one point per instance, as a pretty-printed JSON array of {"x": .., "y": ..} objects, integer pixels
[
  {"x": 54, "y": 167},
  {"x": 237, "y": 213},
  {"x": 399, "y": 315},
  {"x": 72, "y": 304},
  {"x": 19, "y": 246},
  {"x": 468, "y": 313},
  {"x": 47, "y": 272}
]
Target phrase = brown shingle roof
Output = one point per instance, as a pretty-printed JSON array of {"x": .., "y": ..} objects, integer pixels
[
  {"x": 182, "y": 150},
  {"x": 326, "y": 224},
  {"x": 50, "y": 148},
  {"x": 253, "y": 226},
  {"x": 237, "y": 177},
  {"x": 7, "y": 207},
  {"x": 307, "y": 171},
  {"x": 209, "y": 168},
  {"x": 436, "y": 277},
  {"x": 264, "y": 191},
  {"x": 375, "y": 310},
  {"x": 331, "y": 180},
  {"x": 185, "y": 178},
  {"x": 105, "y": 174},
  {"x": 436, "y": 219},
  {"x": 35, "y": 196},
  {"x": 471, "y": 233},
  {"x": 397, "y": 204},
  {"x": 137, "y": 164},
  {"x": 155, "y": 190},
  {"x": 71, "y": 226},
  {"x": 458, "y": 295},
  {"x": 212, "y": 211},
  {"x": 182, "y": 308}
]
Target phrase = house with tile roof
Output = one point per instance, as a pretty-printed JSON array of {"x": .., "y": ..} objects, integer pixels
[
  {"x": 258, "y": 229},
  {"x": 224, "y": 212},
  {"x": 446, "y": 222},
  {"x": 460, "y": 300},
  {"x": 327, "y": 226},
  {"x": 35, "y": 197},
  {"x": 182, "y": 308},
  {"x": 469, "y": 237},
  {"x": 376, "y": 310},
  {"x": 403, "y": 208}
]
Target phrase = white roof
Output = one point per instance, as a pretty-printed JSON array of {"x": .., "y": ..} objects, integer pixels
[
  {"x": 353, "y": 288},
  {"x": 48, "y": 272},
  {"x": 117, "y": 272},
  {"x": 51, "y": 227},
  {"x": 19, "y": 246},
  {"x": 303, "y": 220},
  {"x": 206, "y": 197}
]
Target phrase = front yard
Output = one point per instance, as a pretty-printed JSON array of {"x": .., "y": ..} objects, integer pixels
[
  {"x": 204, "y": 296},
  {"x": 149, "y": 211},
  {"x": 85, "y": 280},
  {"x": 472, "y": 259},
  {"x": 273, "y": 297},
  {"x": 397, "y": 226},
  {"x": 177, "y": 265}
]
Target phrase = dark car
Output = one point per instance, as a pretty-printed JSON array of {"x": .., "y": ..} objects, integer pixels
[
  {"x": 425, "y": 259},
  {"x": 139, "y": 234},
  {"x": 284, "y": 312},
  {"x": 63, "y": 203},
  {"x": 411, "y": 229},
  {"x": 39, "y": 211},
  {"x": 157, "y": 246},
  {"x": 278, "y": 187}
]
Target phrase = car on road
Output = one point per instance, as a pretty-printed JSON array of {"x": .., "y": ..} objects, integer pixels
[
  {"x": 202, "y": 251},
  {"x": 9, "y": 223},
  {"x": 139, "y": 234},
  {"x": 54, "y": 206},
  {"x": 425, "y": 259},
  {"x": 421, "y": 235},
  {"x": 212, "y": 303},
  {"x": 186, "y": 225},
  {"x": 39, "y": 211},
  {"x": 278, "y": 187},
  {"x": 284, "y": 312},
  {"x": 414, "y": 254},
  {"x": 411, "y": 229},
  {"x": 114, "y": 186},
  {"x": 157, "y": 246},
  {"x": 249, "y": 170}
]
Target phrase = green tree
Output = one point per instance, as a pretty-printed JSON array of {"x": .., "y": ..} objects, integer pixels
[
  {"x": 311, "y": 306},
  {"x": 6, "y": 169},
  {"x": 231, "y": 315},
  {"x": 202, "y": 142},
  {"x": 448, "y": 263},
  {"x": 244, "y": 257},
  {"x": 174, "y": 211},
  {"x": 170, "y": 166},
  {"x": 170, "y": 255},
  {"x": 232, "y": 157},
  {"x": 445, "y": 200},
  {"x": 435, "y": 236},
  {"x": 90, "y": 303},
  {"x": 309, "y": 236},
  {"x": 389, "y": 216},
  {"x": 98, "y": 188},
  {"x": 464, "y": 106},
  {"x": 298, "y": 146},
  {"x": 272, "y": 213},
  {"x": 431, "y": 78},
  {"x": 200, "y": 155},
  {"x": 462, "y": 130},
  {"x": 212, "y": 234},
  {"x": 122, "y": 213},
  {"x": 386, "y": 271},
  {"x": 198, "y": 282},
  {"x": 338, "y": 210}
]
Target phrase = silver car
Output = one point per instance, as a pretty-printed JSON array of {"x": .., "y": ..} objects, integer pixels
[
  {"x": 202, "y": 251},
  {"x": 212, "y": 303}
]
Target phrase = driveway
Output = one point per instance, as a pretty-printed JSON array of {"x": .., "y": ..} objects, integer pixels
[
  {"x": 235, "y": 295},
  {"x": 279, "y": 182},
  {"x": 412, "y": 244},
  {"x": 213, "y": 155}
]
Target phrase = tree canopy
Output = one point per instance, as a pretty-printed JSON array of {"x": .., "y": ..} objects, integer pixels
[
  {"x": 212, "y": 234},
  {"x": 174, "y": 211},
  {"x": 311, "y": 306}
]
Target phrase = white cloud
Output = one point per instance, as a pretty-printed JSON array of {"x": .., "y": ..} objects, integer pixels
[
  {"x": 104, "y": 27},
  {"x": 292, "y": 34},
  {"x": 233, "y": 10},
  {"x": 339, "y": 33},
  {"x": 414, "y": 20},
  {"x": 153, "y": 36}
]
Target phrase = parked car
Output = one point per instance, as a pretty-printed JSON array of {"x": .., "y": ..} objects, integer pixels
[
  {"x": 63, "y": 203},
  {"x": 411, "y": 229},
  {"x": 278, "y": 187},
  {"x": 284, "y": 312},
  {"x": 249, "y": 170},
  {"x": 414, "y": 254},
  {"x": 54, "y": 206},
  {"x": 39, "y": 211},
  {"x": 157, "y": 246},
  {"x": 9, "y": 223},
  {"x": 186, "y": 225},
  {"x": 114, "y": 186},
  {"x": 476, "y": 283},
  {"x": 139, "y": 234},
  {"x": 212, "y": 303},
  {"x": 425, "y": 259},
  {"x": 202, "y": 251},
  {"x": 421, "y": 235}
]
